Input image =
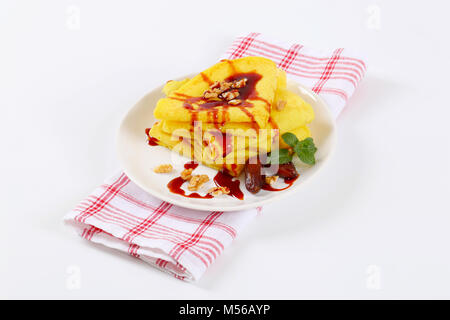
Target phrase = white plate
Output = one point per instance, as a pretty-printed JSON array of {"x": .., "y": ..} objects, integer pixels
[{"x": 138, "y": 159}]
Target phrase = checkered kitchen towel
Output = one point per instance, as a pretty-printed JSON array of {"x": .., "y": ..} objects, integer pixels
[
  {"x": 333, "y": 74},
  {"x": 184, "y": 242}
]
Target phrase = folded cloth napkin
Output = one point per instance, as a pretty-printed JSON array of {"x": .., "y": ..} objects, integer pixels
[{"x": 184, "y": 242}]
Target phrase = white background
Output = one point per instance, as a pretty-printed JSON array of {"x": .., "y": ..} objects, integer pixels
[{"x": 374, "y": 224}]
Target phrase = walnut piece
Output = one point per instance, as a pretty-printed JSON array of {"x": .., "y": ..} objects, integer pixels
[
  {"x": 224, "y": 86},
  {"x": 225, "y": 90},
  {"x": 210, "y": 94},
  {"x": 234, "y": 102},
  {"x": 197, "y": 181},
  {"x": 271, "y": 180},
  {"x": 229, "y": 95},
  {"x": 163, "y": 168},
  {"x": 280, "y": 105},
  {"x": 239, "y": 83},
  {"x": 218, "y": 191},
  {"x": 186, "y": 174}
]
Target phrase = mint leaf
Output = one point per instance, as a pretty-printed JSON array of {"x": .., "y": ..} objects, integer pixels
[
  {"x": 305, "y": 150},
  {"x": 290, "y": 139},
  {"x": 283, "y": 157}
]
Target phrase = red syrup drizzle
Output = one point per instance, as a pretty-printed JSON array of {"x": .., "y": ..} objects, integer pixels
[
  {"x": 151, "y": 141},
  {"x": 230, "y": 64},
  {"x": 174, "y": 185},
  {"x": 191, "y": 165},
  {"x": 248, "y": 92},
  {"x": 274, "y": 125},
  {"x": 289, "y": 183},
  {"x": 206, "y": 78},
  {"x": 223, "y": 179}
]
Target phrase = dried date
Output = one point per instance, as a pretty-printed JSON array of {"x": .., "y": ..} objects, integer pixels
[
  {"x": 287, "y": 171},
  {"x": 254, "y": 180}
]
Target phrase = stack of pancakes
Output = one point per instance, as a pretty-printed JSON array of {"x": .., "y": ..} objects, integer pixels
[{"x": 225, "y": 134}]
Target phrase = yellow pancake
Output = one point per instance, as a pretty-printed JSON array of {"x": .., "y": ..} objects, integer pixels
[
  {"x": 175, "y": 130},
  {"x": 210, "y": 153},
  {"x": 296, "y": 113},
  {"x": 171, "y": 108},
  {"x": 301, "y": 133},
  {"x": 199, "y": 153},
  {"x": 173, "y": 85},
  {"x": 171, "y": 126}
]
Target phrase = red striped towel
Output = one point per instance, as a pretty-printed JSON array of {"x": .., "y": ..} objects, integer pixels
[
  {"x": 333, "y": 74},
  {"x": 184, "y": 242}
]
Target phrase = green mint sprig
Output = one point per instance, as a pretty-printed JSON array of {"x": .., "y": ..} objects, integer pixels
[
  {"x": 283, "y": 157},
  {"x": 305, "y": 149}
]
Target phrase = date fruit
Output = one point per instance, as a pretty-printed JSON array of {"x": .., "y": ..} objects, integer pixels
[
  {"x": 287, "y": 171},
  {"x": 253, "y": 177}
]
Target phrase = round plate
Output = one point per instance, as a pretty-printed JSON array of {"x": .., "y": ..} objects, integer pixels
[{"x": 138, "y": 158}]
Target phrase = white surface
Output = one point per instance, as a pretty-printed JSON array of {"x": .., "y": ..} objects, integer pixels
[
  {"x": 382, "y": 201},
  {"x": 137, "y": 158}
]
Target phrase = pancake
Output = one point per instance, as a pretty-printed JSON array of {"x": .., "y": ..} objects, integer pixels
[
  {"x": 185, "y": 104},
  {"x": 226, "y": 135},
  {"x": 301, "y": 133},
  {"x": 296, "y": 113},
  {"x": 185, "y": 146}
]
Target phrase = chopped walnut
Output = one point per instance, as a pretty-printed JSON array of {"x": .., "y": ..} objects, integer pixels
[
  {"x": 234, "y": 102},
  {"x": 280, "y": 105},
  {"x": 163, "y": 168},
  {"x": 210, "y": 94},
  {"x": 239, "y": 84},
  {"x": 229, "y": 95},
  {"x": 197, "y": 181},
  {"x": 186, "y": 174},
  {"x": 225, "y": 90},
  {"x": 224, "y": 86},
  {"x": 215, "y": 85},
  {"x": 218, "y": 191},
  {"x": 271, "y": 180}
]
